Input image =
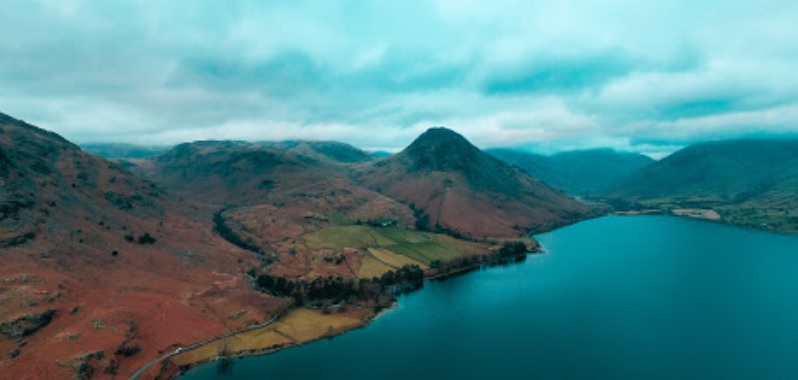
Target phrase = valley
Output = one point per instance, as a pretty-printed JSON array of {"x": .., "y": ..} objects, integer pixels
[
  {"x": 117, "y": 263},
  {"x": 107, "y": 265},
  {"x": 752, "y": 183}
]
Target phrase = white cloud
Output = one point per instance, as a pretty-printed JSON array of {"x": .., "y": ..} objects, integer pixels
[{"x": 376, "y": 73}]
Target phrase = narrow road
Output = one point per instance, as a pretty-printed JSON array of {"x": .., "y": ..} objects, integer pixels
[{"x": 211, "y": 340}]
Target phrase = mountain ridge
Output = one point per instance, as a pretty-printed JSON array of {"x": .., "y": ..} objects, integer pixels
[
  {"x": 747, "y": 181},
  {"x": 581, "y": 172}
]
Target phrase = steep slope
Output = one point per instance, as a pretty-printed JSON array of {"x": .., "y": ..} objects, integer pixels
[
  {"x": 48, "y": 180},
  {"x": 103, "y": 271},
  {"x": 750, "y": 182},
  {"x": 453, "y": 186},
  {"x": 580, "y": 172}
]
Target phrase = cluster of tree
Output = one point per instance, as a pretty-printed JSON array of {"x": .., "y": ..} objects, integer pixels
[
  {"x": 423, "y": 224},
  {"x": 337, "y": 289},
  {"x": 422, "y": 218},
  {"x": 512, "y": 249},
  {"x": 227, "y": 233},
  {"x": 509, "y": 252},
  {"x": 146, "y": 238},
  {"x": 127, "y": 350},
  {"x": 377, "y": 223},
  {"x": 446, "y": 231}
]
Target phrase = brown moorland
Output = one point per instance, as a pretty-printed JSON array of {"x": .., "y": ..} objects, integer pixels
[{"x": 101, "y": 271}]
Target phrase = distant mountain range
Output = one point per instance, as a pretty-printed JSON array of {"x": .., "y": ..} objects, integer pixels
[
  {"x": 580, "y": 172},
  {"x": 330, "y": 149},
  {"x": 749, "y": 182}
]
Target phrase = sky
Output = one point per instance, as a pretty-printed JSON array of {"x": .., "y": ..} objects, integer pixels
[{"x": 545, "y": 75}]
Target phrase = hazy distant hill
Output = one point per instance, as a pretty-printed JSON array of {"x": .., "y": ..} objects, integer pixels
[
  {"x": 119, "y": 150},
  {"x": 381, "y": 154},
  {"x": 323, "y": 150},
  {"x": 753, "y": 182},
  {"x": 581, "y": 172},
  {"x": 455, "y": 186}
]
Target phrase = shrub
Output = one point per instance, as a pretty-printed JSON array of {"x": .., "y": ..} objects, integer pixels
[{"x": 146, "y": 239}]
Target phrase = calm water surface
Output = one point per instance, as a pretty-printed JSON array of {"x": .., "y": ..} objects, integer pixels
[{"x": 647, "y": 297}]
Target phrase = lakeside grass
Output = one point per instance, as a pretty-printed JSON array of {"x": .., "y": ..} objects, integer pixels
[
  {"x": 393, "y": 259},
  {"x": 768, "y": 216},
  {"x": 298, "y": 326},
  {"x": 769, "y": 219},
  {"x": 371, "y": 267}
]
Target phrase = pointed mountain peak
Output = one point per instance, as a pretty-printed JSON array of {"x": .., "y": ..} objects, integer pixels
[
  {"x": 441, "y": 149},
  {"x": 437, "y": 136}
]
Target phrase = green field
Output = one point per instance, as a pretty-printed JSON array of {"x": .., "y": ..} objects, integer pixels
[{"x": 423, "y": 247}]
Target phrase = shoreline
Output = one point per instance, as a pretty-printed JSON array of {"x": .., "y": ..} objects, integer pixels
[
  {"x": 365, "y": 323},
  {"x": 177, "y": 370},
  {"x": 720, "y": 220},
  {"x": 270, "y": 350}
]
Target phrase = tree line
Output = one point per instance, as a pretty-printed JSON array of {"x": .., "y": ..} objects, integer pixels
[{"x": 379, "y": 291}]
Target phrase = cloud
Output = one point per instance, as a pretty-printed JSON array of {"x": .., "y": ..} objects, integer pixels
[{"x": 545, "y": 74}]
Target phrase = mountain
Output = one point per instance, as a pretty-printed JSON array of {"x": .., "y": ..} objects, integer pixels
[
  {"x": 49, "y": 182},
  {"x": 120, "y": 151},
  {"x": 750, "y": 182},
  {"x": 331, "y": 151},
  {"x": 225, "y": 171},
  {"x": 268, "y": 196},
  {"x": 237, "y": 172},
  {"x": 107, "y": 265},
  {"x": 579, "y": 172},
  {"x": 453, "y": 186},
  {"x": 101, "y": 270}
]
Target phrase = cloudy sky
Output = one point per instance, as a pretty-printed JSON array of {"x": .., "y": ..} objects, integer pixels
[{"x": 547, "y": 75}]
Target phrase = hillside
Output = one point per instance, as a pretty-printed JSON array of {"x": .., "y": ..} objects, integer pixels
[
  {"x": 580, "y": 172},
  {"x": 278, "y": 199},
  {"x": 750, "y": 182},
  {"x": 105, "y": 270},
  {"x": 453, "y": 186},
  {"x": 102, "y": 270}
]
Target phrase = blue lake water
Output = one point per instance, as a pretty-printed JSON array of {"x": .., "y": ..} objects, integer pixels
[{"x": 646, "y": 297}]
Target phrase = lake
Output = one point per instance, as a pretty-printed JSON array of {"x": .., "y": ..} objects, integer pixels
[{"x": 644, "y": 297}]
